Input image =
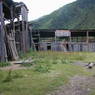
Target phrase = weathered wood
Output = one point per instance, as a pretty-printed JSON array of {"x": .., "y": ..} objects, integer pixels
[
  {"x": 11, "y": 38},
  {"x": 2, "y": 35},
  {"x": 24, "y": 39},
  {"x": 12, "y": 47}
]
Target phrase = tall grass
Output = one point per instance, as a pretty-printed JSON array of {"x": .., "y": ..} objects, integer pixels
[{"x": 43, "y": 60}]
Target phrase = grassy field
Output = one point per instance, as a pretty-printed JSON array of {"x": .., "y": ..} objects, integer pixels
[{"x": 50, "y": 70}]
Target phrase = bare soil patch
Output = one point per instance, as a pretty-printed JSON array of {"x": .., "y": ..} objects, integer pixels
[{"x": 78, "y": 85}]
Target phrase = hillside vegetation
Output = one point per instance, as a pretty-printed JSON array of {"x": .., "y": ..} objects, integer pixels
[{"x": 77, "y": 15}]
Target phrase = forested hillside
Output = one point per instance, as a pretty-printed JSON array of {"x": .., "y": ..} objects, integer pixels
[{"x": 77, "y": 15}]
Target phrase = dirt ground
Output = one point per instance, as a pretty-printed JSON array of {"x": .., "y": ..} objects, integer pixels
[
  {"x": 78, "y": 85},
  {"x": 15, "y": 65}
]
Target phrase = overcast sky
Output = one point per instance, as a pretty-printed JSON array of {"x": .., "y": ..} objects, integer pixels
[{"x": 38, "y": 8}]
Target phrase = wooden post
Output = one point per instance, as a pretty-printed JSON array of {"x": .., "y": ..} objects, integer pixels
[
  {"x": 12, "y": 22},
  {"x": 30, "y": 36},
  {"x": 55, "y": 37},
  {"x": 11, "y": 38},
  {"x": 70, "y": 41},
  {"x": 87, "y": 35},
  {"x": 39, "y": 40},
  {"x": 87, "y": 39},
  {"x": 2, "y": 35},
  {"x": 25, "y": 38}
]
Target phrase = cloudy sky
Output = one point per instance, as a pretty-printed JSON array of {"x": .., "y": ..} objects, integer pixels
[{"x": 38, "y": 8}]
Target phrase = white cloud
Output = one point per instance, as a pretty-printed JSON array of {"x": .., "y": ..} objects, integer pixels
[{"x": 38, "y": 8}]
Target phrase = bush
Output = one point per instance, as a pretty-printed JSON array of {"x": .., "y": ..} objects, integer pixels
[
  {"x": 65, "y": 61},
  {"x": 16, "y": 75},
  {"x": 11, "y": 75},
  {"x": 8, "y": 77},
  {"x": 43, "y": 66},
  {"x": 27, "y": 64},
  {"x": 54, "y": 61},
  {"x": 4, "y": 64}
]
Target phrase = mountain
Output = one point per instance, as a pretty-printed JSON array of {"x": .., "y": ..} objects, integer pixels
[{"x": 77, "y": 15}]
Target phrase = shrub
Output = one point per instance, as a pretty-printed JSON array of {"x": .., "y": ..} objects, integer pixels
[
  {"x": 27, "y": 64},
  {"x": 54, "y": 62},
  {"x": 59, "y": 61},
  {"x": 4, "y": 64},
  {"x": 8, "y": 77},
  {"x": 16, "y": 75},
  {"x": 65, "y": 61},
  {"x": 43, "y": 66}
]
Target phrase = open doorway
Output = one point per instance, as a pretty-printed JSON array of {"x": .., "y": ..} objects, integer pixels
[
  {"x": 67, "y": 46},
  {"x": 49, "y": 47}
]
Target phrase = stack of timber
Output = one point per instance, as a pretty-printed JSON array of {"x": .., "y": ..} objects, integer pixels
[{"x": 12, "y": 47}]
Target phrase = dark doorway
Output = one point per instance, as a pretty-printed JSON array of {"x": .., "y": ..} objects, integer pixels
[
  {"x": 81, "y": 47},
  {"x": 37, "y": 47},
  {"x": 49, "y": 47},
  {"x": 67, "y": 47}
]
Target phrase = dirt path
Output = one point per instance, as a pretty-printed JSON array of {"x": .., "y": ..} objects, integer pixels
[
  {"x": 13, "y": 67},
  {"x": 17, "y": 64},
  {"x": 78, "y": 85}
]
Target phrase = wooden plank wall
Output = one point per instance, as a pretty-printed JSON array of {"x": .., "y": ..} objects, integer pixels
[{"x": 72, "y": 47}]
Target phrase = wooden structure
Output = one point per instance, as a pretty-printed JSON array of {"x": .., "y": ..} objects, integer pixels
[
  {"x": 67, "y": 40},
  {"x": 2, "y": 35},
  {"x": 41, "y": 38},
  {"x": 21, "y": 28},
  {"x": 13, "y": 29}
]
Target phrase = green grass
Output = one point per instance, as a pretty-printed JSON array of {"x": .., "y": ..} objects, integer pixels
[
  {"x": 4, "y": 64},
  {"x": 35, "y": 82},
  {"x": 55, "y": 56}
]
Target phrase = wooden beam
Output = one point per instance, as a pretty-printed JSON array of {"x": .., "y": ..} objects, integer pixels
[
  {"x": 12, "y": 42},
  {"x": 24, "y": 39},
  {"x": 87, "y": 35},
  {"x": 2, "y": 35},
  {"x": 87, "y": 39}
]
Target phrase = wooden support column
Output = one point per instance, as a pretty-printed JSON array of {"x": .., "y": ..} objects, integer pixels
[
  {"x": 12, "y": 22},
  {"x": 2, "y": 35},
  {"x": 87, "y": 35},
  {"x": 11, "y": 38},
  {"x": 55, "y": 37},
  {"x": 31, "y": 37},
  {"x": 23, "y": 42},
  {"x": 87, "y": 39},
  {"x": 25, "y": 35},
  {"x": 70, "y": 40}
]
